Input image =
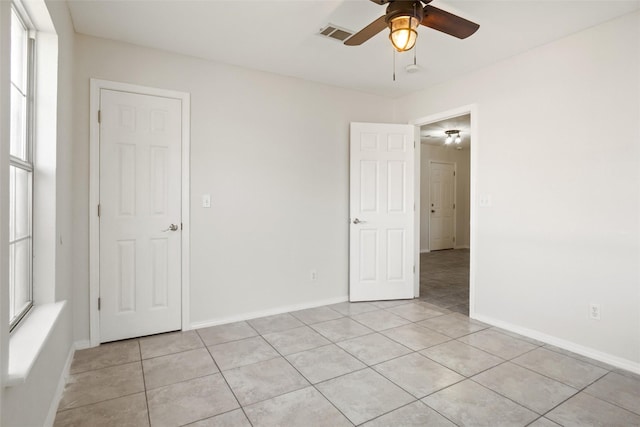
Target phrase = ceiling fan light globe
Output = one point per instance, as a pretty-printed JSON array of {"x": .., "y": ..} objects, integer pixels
[
  {"x": 403, "y": 33},
  {"x": 448, "y": 140},
  {"x": 458, "y": 139}
]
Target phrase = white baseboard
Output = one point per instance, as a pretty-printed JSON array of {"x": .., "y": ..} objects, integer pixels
[
  {"x": 600, "y": 356},
  {"x": 62, "y": 381},
  {"x": 462, "y": 247},
  {"x": 424, "y": 251},
  {"x": 269, "y": 312}
]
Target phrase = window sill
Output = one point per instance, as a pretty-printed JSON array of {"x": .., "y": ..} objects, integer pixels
[{"x": 28, "y": 340}]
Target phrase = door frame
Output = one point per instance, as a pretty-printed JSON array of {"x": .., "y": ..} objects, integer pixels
[
  {"x": 455, "y": 195},
  {"x": 471, "y": 109},
  {"x": 96, "y": 85}
]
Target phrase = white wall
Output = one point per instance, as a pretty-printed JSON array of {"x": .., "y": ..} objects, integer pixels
[
  {"x": 29, "y": 404},
  {"x": 273, "y": 153},
  {"x": 461, "y": 159},
  {"x": 559, "y": 152}
]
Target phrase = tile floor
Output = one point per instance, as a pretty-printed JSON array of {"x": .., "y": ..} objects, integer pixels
[
  {"x": 444, "y": 279},
  {"x": 400, "y": 363}
]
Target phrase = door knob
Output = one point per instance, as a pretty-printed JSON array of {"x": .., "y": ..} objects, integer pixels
[
  {"x": 357, "y": 221},
  {"x": 433, "y": 211},
  {"x": 172, "y": 227}
]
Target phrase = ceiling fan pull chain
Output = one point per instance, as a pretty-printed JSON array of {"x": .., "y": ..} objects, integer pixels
[{"x": 394, "y": 65}]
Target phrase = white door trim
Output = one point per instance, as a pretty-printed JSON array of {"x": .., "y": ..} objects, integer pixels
[
  {"x": 94, "y": 195},
  {"x": 473, "y": 212},
  {"x": 455, "y": 197}
]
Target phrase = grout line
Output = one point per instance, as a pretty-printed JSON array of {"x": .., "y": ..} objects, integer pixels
[
  {"x": 144, "y": 384},
  {"x": 229, "y": 387}
]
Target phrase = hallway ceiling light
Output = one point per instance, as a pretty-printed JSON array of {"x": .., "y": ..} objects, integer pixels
[{"x": 453, "y": 136}]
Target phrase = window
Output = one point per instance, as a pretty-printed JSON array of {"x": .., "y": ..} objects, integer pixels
[{"x": 21, "y": 170}]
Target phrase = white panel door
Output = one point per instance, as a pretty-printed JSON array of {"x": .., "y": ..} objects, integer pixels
[
  {"x": 441, "y": 215},
  {"x": 140, "y": 215},
  {"x": 381, "y": 250}
]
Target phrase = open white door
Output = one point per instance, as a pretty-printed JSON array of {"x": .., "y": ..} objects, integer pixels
[
  {"x": 381, "y": 249},
  {"x": 140, "y": 215}
]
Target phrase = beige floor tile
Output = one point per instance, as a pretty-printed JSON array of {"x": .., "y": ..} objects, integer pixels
[
  {"x": 560, "y": 367},
  {"x": 543, "y": 422},
  {"x": 416, "y": 414},
  {"x": 364, "y": 395},
  {"x": 235, "y": 418},
  {"x": 341, "y": 329},
  {"x": 380, "y": 320},
  {"x": 174, "y": 342},
  {"x": 415, "y": 337},
  {"x": 275, "y": 323},
  {"x": 374, "y": 348},
  {"x": 264, "y": 380},
  {"x": 585, "y": 410},
  {"x": 619, "y": 390},
  {"x": 295, "y": 340},
  {"x": 316, "y": 315},
  {"x": 324, "y": 363},
  {"x": 102, "y": 384},
  {"x": 525, "y": 387},
  {"x": 105, "y": 355},
  {"x": 469, "y": 404},
  {"x": 454, "y": 325},
  {"x": 305, "y": 407},
  {"x": 497, "y": 344},
  {"x": 461, "y": 357},
  {"x": 415, "y": 311},
  {"x": 189, "y": 401},
  {"x": 127, "y": 411},
  {"x": 225, "y": 333},
  {"x": 244, "y": 352},
  {"x": 417, "y": 374},
  {"x": 390, "y": 303},
  {"x": 353, "y": 308},
  {"x": 173, "y": 368}
]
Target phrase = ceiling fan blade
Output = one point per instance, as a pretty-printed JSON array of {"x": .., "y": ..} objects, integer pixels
[
  {"x": 367, "y": 32},
  {"x": 448, "y": 23}
]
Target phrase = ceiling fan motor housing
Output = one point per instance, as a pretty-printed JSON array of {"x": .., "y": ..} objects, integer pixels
[{"x": 404, "y": 8}]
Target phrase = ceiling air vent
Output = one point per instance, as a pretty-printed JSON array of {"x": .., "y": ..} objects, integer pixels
[{"x": 335, "y": 32}]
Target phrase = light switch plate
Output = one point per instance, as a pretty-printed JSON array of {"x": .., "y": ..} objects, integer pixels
[
  {"x": 206, "y": 200},
  {"x": 485, "y": 200}
]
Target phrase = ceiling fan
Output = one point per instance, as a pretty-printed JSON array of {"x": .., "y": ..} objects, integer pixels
[{"x": 403, "y": 17}]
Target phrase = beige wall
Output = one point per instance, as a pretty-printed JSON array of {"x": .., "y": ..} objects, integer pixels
[
  {"x": 273, "y": 153},
  {"x": 461, "y": 160},
  {"x": 563, "y": 231}
]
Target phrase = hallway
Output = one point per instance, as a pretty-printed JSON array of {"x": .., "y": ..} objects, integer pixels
[{"x": 444, "y": 279}]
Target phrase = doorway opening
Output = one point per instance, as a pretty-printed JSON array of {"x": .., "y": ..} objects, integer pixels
[{"x": 446, "y": 171}]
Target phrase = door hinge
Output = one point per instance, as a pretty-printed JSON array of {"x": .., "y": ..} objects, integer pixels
[
  {"x": 454, "y": 173},
  {"x": 453, "y": 238},
  {"x": 454, "y": 206},
  {"x": 414, "y": 269},
  {"x": 98, "y": 210},
  {"x": 99, "y": 116},
  {"x": 181, "y": 226},
  {"x": 99, "y": 303}
]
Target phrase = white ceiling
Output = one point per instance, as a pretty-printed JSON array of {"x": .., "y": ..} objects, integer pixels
[
  {"x": 434, "y": 133},
  {"x": 280, "y": 36}
]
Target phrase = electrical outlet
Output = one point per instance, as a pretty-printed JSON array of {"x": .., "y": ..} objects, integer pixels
[
  {"x": 594, "y": 311},
  {"x": 314, "y": 275}
]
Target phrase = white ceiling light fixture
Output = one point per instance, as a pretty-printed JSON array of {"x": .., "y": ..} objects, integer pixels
[{"x": 453, "y": 135}]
